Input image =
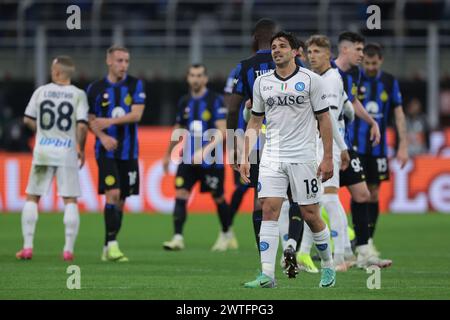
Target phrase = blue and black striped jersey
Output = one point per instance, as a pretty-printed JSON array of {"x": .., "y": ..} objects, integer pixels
[
  {"x": 231, "y": 82},
  {"x": 110, "y": 100},
  {"x": 379, "y": 95},
  {"x": 351, "y": 80},
  {"x": 198, "y": 115},
  {"x": 251, "y": 68}
]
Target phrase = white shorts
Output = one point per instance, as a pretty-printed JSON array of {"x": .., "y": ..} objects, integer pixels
[
  {"x": 275, "y": 177},
  {"x": 41, "y": 177}
]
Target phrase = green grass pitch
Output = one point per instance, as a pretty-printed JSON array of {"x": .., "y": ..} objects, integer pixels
[{"x": 418, "y": 245}]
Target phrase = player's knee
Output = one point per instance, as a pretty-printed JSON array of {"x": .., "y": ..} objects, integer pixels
[
  {"x": 270, "y": 210},
  {"x": 68, "y": 200},
  {"x": 182, "y": 194},
  {"x": 113, "y": 196},
  {"x": 361, "y": 195},
  {"x": 219, "y": 199},
  {"x": 32, "y": 198},
  {"x": 309, "y": 213}
]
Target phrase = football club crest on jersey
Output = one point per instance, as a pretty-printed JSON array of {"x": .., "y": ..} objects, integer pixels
[
  {"x": 128, "y": 100},
  {"x": 384, "y": 96},
  {"x": 206, "y": 115},
  {"x": 354, "y": 89},
  {"x": 299, "y": 86}
]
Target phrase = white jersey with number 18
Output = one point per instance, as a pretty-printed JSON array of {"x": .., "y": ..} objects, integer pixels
[
  {"x": 57, "y": 109},
  {"x": 289, "y": 105}
]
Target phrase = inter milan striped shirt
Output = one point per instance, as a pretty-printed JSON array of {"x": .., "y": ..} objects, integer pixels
[
  {"x": 379, "y": 95},
  {"x": 111, "y": 100}
]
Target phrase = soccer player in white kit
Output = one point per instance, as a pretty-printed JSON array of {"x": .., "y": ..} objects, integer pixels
[
  {"x": 290, "y": 98},
  {"x": 319, "y": 54},
  {"x": 58, "y": 113}
]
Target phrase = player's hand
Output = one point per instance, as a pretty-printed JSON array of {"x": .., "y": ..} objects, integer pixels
[
  {"x": 101, "y": 123},
  {"x": 375, "y": 135},
  {"x": 166, "y": 162},
  {"x": 109, "y": 143},
  {"x": 402, "y": 156},
  {"x": 81, "y": 158},
  {"x": 345, "y": 160},
  {"x": 244, "y": 170},
  {"x": 325, "y": 169},
  {"x": 248, "y": 104}
]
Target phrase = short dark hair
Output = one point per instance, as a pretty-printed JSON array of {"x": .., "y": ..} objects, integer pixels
[
  {"x": 198, "y": 65},
  {"x": 264, "y": 29},
  {"x": 373, "y": 49},
  {"x": 301, "y": 44},
  {"x": 293, "y": 41},
  {"x": 351, "y": 36}
]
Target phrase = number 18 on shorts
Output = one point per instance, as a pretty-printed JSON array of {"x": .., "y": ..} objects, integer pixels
[{"x": 275, "y": 177}]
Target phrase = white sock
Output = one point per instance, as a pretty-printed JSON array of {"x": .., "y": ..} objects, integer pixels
[
  {"x": 178, "y": 236},
  {"x": 307, "y": 240},
  {"x": 112, "y": 243},
  {"x": 364, "y": 249},
  {"x": 322, "y": 242},
  {"x": 72, "y": 223},
  {"x": 29, "y": 219},
  {"x": 269, "y": 245},
  {"x": 332, "y": 203},
  {"x": 348, "y": 252},
  {"x": 283, "y": 224}
]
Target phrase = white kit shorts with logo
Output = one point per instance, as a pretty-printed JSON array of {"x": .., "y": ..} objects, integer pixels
[
  {"x": 275, "y": 177},
  {"x": 41, "y": 177}
]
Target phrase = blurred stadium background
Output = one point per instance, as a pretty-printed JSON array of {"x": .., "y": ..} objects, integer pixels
[{"x": 164, "y": 36}]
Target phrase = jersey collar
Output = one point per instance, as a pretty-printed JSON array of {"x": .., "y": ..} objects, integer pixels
[
  {"x": 200, "y": 97},
  {"x": 377, "y": 77},
  {"x": 115, "y": 84},
  {"x": 326, "y": 70},
  {"x": 288, "y": 77}
]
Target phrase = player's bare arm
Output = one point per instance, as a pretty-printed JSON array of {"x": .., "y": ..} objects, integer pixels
[
  {"x": 325, "y": 169},
  {"x": 250, "y": 138},
  {"x": 233, "y": 102},
  {"x": 30, "y": 123},
  {"x": 221, "y": 126},
  {"x": 133, "y": 117},
  {"x": 360, "y": 112},
  {"x": 402, "y": 152},
  {"x": 108, "y": 142},
  {"x": 172, "y": 144},
  {"x": 82, "y": 130}
]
